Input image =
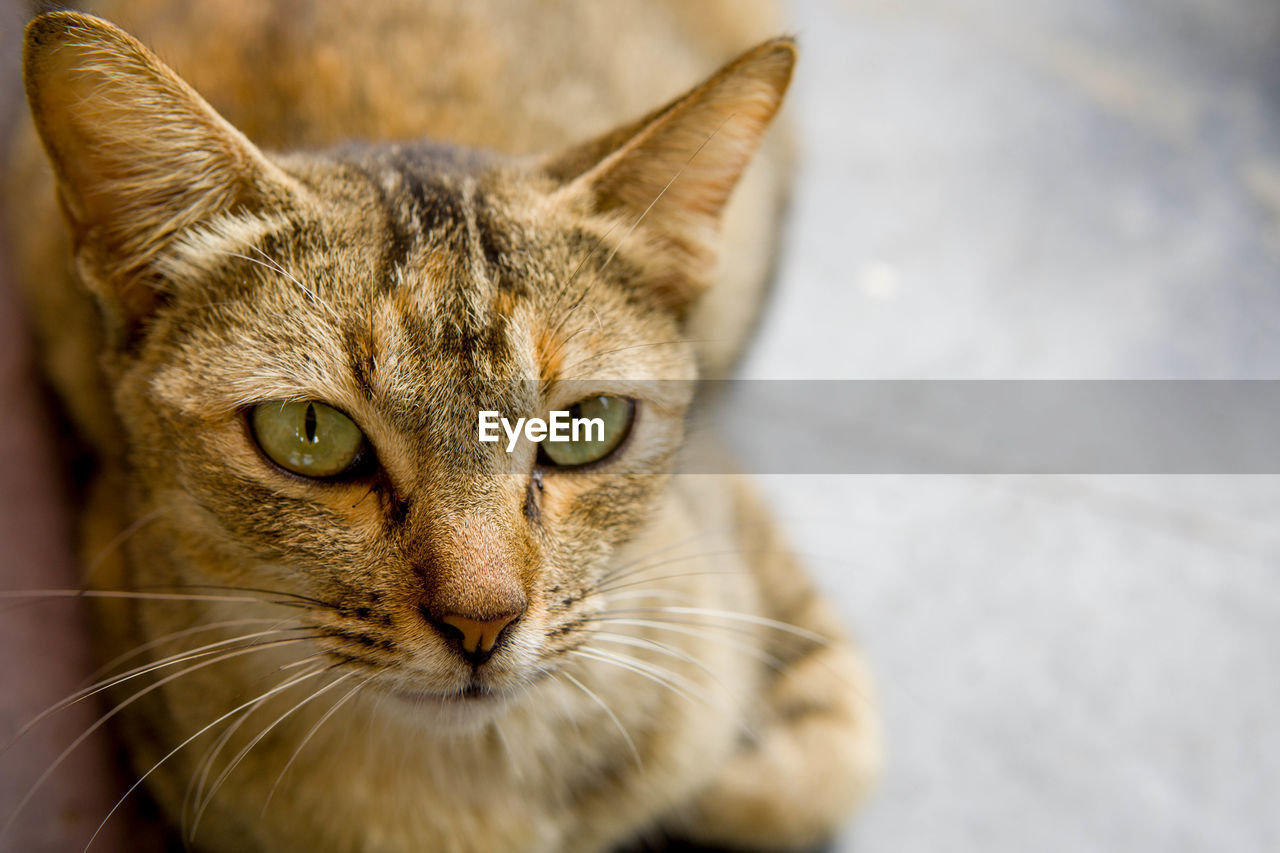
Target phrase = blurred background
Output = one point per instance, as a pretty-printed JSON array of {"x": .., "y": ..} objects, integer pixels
[
  {"x": 999, "y": 189},
  {"x": 1035, "y": 189}
]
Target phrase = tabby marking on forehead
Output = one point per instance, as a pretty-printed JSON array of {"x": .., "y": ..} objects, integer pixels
[{"x": 428, "y": 192}]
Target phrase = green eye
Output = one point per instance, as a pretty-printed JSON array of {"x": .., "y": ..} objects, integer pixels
[
  {"x": 599, "y": 426},
  {"x": 308, "y": 438}
]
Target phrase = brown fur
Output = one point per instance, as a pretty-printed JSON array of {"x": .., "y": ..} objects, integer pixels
[{"x": 409, "y": 284}]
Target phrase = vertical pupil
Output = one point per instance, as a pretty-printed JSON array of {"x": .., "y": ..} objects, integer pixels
[{"x": 309, "y": 423}]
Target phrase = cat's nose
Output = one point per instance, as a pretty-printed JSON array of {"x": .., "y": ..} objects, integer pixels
[
  {"x": 476, "y": 638},
  {"x": 474, "y": 590},
  {"x": 479, "y": 636}
]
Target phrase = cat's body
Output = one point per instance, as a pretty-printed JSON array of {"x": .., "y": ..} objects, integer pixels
[{"x": 663, "y": 665}]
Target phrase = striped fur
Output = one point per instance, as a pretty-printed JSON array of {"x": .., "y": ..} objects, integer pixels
[{"x": 410, "y": 283}]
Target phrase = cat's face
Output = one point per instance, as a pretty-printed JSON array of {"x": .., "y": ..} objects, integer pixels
[
  {"x": 382, "y": 297},
  {"x": 409, "y": 295}
]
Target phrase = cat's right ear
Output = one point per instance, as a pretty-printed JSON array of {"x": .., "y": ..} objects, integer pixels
[
  {"x": 139, "y": 156},
  {"x": 671, "y": 173}
]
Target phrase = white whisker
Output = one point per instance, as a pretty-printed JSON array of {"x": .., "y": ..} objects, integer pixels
[
  {"x": 275, "y": 266},
  {"x": 235, "y": 762},
  {"x": 114, "y": 681},
  {"x": 657, "y": 674},
  {"x": 307, "y": 738},
  {"x": 699, "y": 632},
  {"x": 175, "y": 750},
  {"x": 635, "y": 753},
  {"x": 195, "y": 793},
  {"x": 175, "y": 635},
  {"x": 101, "y": 721},
  {"x": 610, "y": 588},
  {"x": 663, "y": 191},
  {"x": 749, "y": 618},
  {"x": 128, "y": 594},
  {"x": 123, "y": 536}
]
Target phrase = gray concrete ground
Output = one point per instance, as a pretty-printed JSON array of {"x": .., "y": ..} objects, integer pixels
[{"x": 1046, "y": 189}]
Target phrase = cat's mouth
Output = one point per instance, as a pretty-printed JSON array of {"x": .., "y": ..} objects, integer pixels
[
  {"x": 451, "y": 711},
  {"x": 472, "y": 698},
  {"x": 471, "y": 694}
]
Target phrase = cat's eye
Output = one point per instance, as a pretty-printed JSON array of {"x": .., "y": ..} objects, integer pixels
[
  {"x": 600, "y": 425},
  {"x": 307, "y": 438}
]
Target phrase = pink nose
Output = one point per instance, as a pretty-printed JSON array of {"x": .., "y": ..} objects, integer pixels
[{"x": 478, "y": 636}]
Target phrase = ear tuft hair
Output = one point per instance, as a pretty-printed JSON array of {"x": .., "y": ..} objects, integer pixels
[
  {"x": 672, "y": 172},
  {"x": 138, "y": 155}
]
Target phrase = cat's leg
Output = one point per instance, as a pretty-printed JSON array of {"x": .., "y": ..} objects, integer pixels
[{"x": 816, "y": 750}]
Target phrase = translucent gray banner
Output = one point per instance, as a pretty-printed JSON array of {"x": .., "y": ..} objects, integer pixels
[{"x": 986, "y": 427}]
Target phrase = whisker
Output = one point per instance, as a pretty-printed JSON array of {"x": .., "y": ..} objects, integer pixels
[
  {"x": 651, "y": 593},
  {"x": 274, "y": 265},
  {"x": 506, "y": 748},
  {"x": 663, "y": 191},
  {"x": 194, "y": 793},
  {"x": 642, "y": 562},
  {"x": 564, "y": 342},
  {"x": 114, "y": 681},
  {"x": 698, "y": 632},
  {"x": 130, "y": 594},
  {"x": 696, "y": 629},
  {"x": 644, "y": 558},
  {"x": 235, "y": 762},
  {"x": 637, "y": 567},
  {"x": 101, "y": 721},
  {"x": 633, "y": 569},
  {"x": 635, "y": 753},
  {"x": 333, "y": 709},
  {"x": 658, "y": 675},
  {"x": 170, "y": 637},
  {"x": 578, "y": 269},
  {"x": 568, "y": 313},
  {"x": 211, "y": 754},
  {"x": 295, "y": 596},
  {"x": 661, "y": 648},
  {"x": 610, "y": 589},
  {"x": 123, "y": 536},
  {"x": 321, "y": 653},
  {"x": 175, "y": 750},
  {"x": 566, "y": 712},
  {"x": 750, "y": 618}
]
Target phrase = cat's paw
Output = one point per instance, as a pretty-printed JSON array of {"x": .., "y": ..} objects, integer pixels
[{"x": 792, "y": 787}]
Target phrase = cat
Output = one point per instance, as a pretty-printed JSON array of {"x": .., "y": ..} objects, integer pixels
[{"x": 350, "y": 624}]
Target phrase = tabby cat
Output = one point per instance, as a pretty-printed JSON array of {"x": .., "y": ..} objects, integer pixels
[{"x": 350, "y": 625}]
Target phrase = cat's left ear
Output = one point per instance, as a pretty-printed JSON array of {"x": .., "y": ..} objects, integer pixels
[
  {"x": 670, "y": 174},
  {"x": 138, "y": 155}
]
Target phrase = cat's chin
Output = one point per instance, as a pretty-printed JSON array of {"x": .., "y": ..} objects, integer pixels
[{"x": 451, "y": 713}]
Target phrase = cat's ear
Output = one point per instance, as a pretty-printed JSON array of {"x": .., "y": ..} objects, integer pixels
[
  {"x": 670, "y": 174},
  {"x": 137, "y": 154}
]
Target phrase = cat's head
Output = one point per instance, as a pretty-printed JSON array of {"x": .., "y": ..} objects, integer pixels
[{"x": 299, "y": 346}]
